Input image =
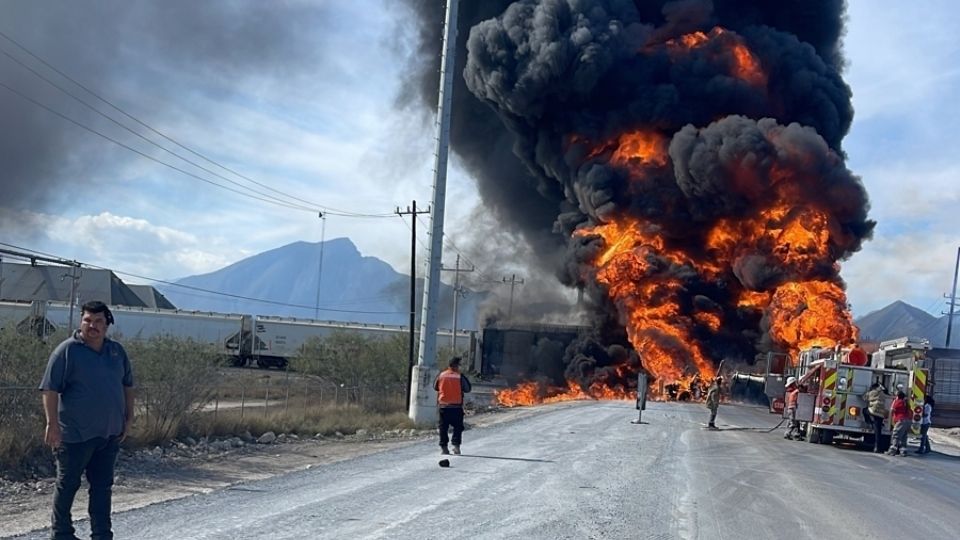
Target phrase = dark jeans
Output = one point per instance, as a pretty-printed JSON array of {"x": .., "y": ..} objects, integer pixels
[
  {"x": 924, "y": 439},
  {"x": 877, "y": 422},
  {"x": 713, "y": 417},
  {"x": 96, "y": 458},
  {"x": 451, "y": 417}
]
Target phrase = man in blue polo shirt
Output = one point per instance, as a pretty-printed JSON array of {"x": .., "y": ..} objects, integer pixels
[{"x": 88, "y": 400}]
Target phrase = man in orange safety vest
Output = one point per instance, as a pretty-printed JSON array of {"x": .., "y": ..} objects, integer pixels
[{"x": 450, "y": 385}]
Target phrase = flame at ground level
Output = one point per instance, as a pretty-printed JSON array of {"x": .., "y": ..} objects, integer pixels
[{"x": 534, "y": 393}]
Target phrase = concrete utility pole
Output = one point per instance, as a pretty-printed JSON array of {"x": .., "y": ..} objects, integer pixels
[
  {"x": 457, "y": 292},
  {"x": 412, "y": 211},
  {"x": 423, "y": 402},
  {"x": 953, "y": 300},
  {"x": 513, "y": 281}
]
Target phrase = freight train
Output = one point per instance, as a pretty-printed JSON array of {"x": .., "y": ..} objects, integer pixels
[{"x": 264, "y": 341}]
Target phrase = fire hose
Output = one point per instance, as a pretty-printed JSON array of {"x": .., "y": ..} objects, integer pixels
[{"x": 757, "y": 429}]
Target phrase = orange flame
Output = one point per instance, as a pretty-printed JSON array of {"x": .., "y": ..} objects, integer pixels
[
  {"x": 532, "y": 393},
  {"x": 654, "y": 324},
  {"x": 809, "y": 314},
  {"x": 744, "y": 65},
  {"x": 645, "y": 148}
]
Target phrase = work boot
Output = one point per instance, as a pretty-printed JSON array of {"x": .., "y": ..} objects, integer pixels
[
  {"x": 444, "y": 451},
  {"x": 456, "y": 449}
]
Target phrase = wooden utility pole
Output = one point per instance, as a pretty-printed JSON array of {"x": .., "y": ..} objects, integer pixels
[
  {"x": 412, "y": 211},
  {"x": 457, "y": 292},
  {"x": 513, "y": 281}
]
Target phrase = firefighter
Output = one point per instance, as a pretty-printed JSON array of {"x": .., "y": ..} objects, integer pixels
[
  {"x": 793, "y": 395},
  {"x": 925, "y": 422},
  {"x": 900, "y": 411},
  {"x": 713, "y": 400},
  {"x": 876, "y": 411},
  {"x": 450, "y": 385}
]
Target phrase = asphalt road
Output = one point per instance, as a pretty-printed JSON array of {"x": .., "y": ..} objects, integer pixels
[{"x": 582, "y": 470}]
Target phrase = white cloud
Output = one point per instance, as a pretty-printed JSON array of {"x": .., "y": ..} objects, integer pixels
[{"x": 914, "y": 267}]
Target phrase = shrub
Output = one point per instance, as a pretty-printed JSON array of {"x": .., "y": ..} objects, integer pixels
[
  {"x": 23, "y": 359},
  {"x": 366, "y": 365},
  {"x": 174, "y": 378}
]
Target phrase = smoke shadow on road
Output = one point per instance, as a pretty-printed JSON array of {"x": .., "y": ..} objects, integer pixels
[{"x": 532, "y": 460}]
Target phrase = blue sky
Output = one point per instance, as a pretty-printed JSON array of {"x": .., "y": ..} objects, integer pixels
[{"x": 318, "y": 118}]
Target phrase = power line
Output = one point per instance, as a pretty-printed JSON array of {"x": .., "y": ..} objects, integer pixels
[
  {"x": 332, "y": 211},
  {"x": 123, "y": 112},
  {"x": 145, "y": 139},
  {"x": 151, "y": 158}
]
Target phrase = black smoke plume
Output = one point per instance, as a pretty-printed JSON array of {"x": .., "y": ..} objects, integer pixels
[
  {"x": 125, "y": 52},
  {"x": 752, "y": 114}
]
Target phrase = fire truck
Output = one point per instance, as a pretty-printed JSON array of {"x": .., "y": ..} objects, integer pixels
[{"x": 833, "y": 380}]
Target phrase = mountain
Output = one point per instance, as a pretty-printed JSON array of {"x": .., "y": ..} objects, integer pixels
[
  {"x": 353, "y": 287},
  {"x": 896, "y": 320},
  {"x": 901, "y": 319}
]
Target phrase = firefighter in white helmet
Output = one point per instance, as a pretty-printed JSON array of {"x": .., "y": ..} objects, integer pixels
[{"x": 790, "y": 410}]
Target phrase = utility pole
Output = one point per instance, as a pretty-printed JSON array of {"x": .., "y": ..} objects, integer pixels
[
  {"x": 323, "y": 232},
  {"x": 457, "y": 292},
  {"x": 74, "y": 278},
  {"x": 423, "y": 402},
  {"x": 513, "y": 281},
  {"x": 953, "y": 300},
  {"x": 412, "y": 211}
]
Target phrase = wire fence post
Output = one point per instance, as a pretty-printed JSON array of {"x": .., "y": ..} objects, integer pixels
[{"x": 242, "y": 400}]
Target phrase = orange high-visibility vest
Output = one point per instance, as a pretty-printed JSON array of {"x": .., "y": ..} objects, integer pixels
[
  {"x": 792, "y": 396},
  {"x": 449, "y": 389}
]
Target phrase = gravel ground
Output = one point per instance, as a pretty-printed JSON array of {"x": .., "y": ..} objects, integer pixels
[{"x": 189, "y": 467}]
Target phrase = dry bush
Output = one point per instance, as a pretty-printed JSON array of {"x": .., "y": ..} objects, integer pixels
[
  {"x": 324, "y": 420},
  {"x": 368, "y": 365},
  {"x": 174, "y": 379},
  {"x": 23, "y": 359}
]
